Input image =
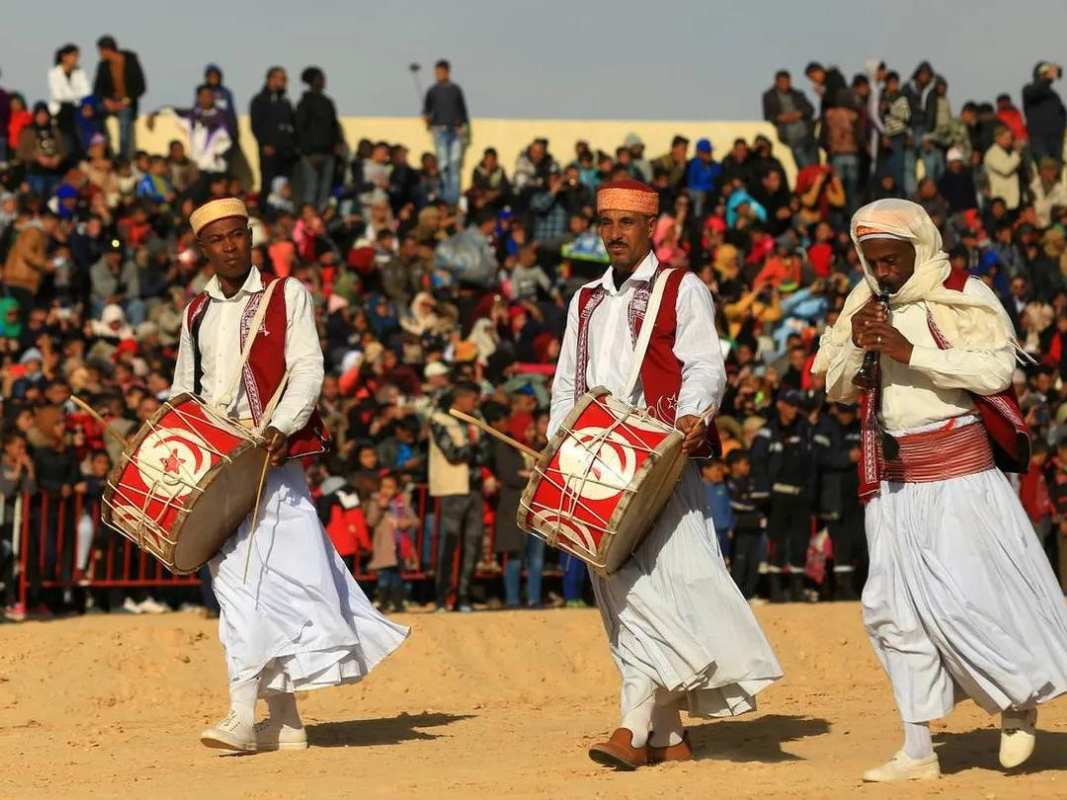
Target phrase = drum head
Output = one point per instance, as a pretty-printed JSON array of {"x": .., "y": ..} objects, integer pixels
[
  {"x": 229, "y": 494},
  {"x": 634, "y": 517}
]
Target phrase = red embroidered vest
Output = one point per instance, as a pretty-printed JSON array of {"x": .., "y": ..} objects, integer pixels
[
  {"x": 1000, "y": 415},
  {"x": 266, "y": 363},
  {"x": 661, "y": 371}
]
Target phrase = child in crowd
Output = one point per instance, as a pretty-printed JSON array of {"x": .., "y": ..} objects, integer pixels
[
  {"x": 722, "y": 515},
  {"x": 749, "y": 524},
  {"x": 389, "y": 514}
]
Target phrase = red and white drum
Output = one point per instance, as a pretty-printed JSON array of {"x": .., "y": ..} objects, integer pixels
[
  {"x": 184, "y": 484},
  {"x": 598, "y": 487}
]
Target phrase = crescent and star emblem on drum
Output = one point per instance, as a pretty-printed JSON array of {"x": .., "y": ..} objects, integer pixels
[{"x": 172, "y": 461}]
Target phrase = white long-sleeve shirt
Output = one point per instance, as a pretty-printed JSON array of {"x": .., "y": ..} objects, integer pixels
[
  {"x": 220, "y": 348},
  {"x": 64, "y": 89},
  {"x": 934, "y": 386},
  {"x": 611, "y": 348}
]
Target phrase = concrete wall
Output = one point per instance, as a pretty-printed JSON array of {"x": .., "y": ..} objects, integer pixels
[{"x": 509, "y": 136}]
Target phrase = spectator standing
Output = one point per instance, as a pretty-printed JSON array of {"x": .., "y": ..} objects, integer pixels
[
  {"x": 208, "y": 136},
  {"x": 842, "y": 134},
  {"x": 837, "y": 447},
  {"x": 827, "y": 82},
  {"x": 674, "y": 162},
  {"x": 119, "y": 85},
  {"x": 1002, "y": 162},
  {"x": 17, "y": 478},
  {"x": 445, "y": 112},
  {"x": 457, "y": 454},
  {"x": 749, "y": 524},
  {"x": 784, "y": 471},
  {"x": 67, "y": 87},
  {"x": 511, "y": 471},
  {"x": 1008, "y": 114},
  {"x": 713, "y": 473},
  {"x": 702, "y": 177},
  {"x": 390, "y": 516},
  {"x": 793, "y": 116},
  {"x": 1046, "y": 116},
  {"x": 318, "y": 137},
  {"x": 895, "y": 112},
  {"x": 642, "y": 165},
  {"x": 274, "y": 127},
  {"x": 921, "y": 120}
]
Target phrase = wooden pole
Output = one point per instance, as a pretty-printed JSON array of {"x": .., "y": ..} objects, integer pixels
[{"x": 495, "y": 433}]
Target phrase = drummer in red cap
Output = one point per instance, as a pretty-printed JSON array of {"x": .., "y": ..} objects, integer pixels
[
  {"x": 681, "y": 633},
  {"x": 292, "y": 617}
]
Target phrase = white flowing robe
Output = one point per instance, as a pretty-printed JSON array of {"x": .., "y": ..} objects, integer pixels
[
  {"x": 676, "y": 622},
  {"x": 300, "y": 621},
  {"x": 960, "y": 600}
]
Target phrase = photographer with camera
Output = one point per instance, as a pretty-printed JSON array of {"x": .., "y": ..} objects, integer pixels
[{"x": 1046, "y": 116}]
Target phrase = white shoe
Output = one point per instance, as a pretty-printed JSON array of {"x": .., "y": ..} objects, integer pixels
[
  {"x": 130, "y": 607},
  {"x": 230, "y": 734},
  {"x": 902, "y": 767},
  {"x": 274, "y": 734},
  {"x": 1017, "y": 737},
  {"x": 150, "y": 606}
]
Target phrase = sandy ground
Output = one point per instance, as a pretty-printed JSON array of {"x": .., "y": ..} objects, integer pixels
[{"x": 488, "y": 705}]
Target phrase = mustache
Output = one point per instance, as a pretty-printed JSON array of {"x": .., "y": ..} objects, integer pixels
[{"x": 616, "y": 242}]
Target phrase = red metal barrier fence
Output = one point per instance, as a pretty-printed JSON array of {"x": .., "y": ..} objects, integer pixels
[{"x": 52, "y": 531}]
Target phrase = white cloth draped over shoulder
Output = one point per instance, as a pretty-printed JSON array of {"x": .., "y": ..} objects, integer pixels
[
  {"x": 960, "y": 599},
  {"x": 676, "y": 621},
  {"x": 300, "y": 621}
]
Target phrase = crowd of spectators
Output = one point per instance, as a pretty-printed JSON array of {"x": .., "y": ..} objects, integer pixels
[{"x": 433, "y": 292}]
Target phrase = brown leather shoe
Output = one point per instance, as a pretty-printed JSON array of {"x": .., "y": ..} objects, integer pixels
[
  {"x": 682, "y": 751},
  {"x": 619, "y": 752}
]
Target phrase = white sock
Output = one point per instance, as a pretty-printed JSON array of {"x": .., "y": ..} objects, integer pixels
[
  {"x": 917, "y": 741},
  {"x": 638, "y": 720},
  {"x": 283, "y": 709},
  {"x": 243, "y": 699},
  {"x": 667, "y": 728}
]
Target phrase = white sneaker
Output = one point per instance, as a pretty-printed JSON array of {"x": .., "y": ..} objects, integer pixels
[
  {"x": 150, "y": 606},
  {"x": 902, "y": 767},
  {"x": 1017, "y": 737},
  {"x": 230, "y": 734},
  {"x": 130, "y": 607},
  {"x": 274, "y": 734}
]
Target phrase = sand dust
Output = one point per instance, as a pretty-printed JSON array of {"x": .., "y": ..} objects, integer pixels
[{"x": 490, "y": 705}]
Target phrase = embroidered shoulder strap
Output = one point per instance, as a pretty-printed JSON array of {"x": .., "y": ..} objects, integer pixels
[
  {"x": 196, "y": 312},
  {"x": 588, "y": 299}
]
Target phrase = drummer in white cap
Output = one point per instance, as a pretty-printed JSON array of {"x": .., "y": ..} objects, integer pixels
[
  {"x": 292, "y": 618},
  {"x": 681, "y": 633}
]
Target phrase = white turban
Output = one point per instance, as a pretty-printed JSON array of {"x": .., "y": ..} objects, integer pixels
[{"x": 976, "y": 320}]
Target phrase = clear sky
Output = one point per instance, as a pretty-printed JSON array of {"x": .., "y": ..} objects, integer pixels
[{"x": 679, "y": 59}]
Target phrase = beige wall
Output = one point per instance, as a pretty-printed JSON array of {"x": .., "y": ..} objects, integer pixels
[{"x": 509, "y": 136}]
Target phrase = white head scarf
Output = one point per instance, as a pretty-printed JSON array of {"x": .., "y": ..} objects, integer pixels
[{"x": 965, "y": 319}]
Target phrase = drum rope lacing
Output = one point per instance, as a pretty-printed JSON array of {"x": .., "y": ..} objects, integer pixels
[
  {"x": 148, "y": 524},
  {"x": 571, "y": 489}
]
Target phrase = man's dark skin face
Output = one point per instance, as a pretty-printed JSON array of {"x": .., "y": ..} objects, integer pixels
[
  {"x": 891, "y": 262},
  {"x": 227, "y": 244}
]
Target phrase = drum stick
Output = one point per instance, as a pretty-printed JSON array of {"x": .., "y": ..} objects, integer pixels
[
  {"x": 255, "y": 516},
  {"x": 106, "y": 426},
  {"x": 495, "y": 433}
]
